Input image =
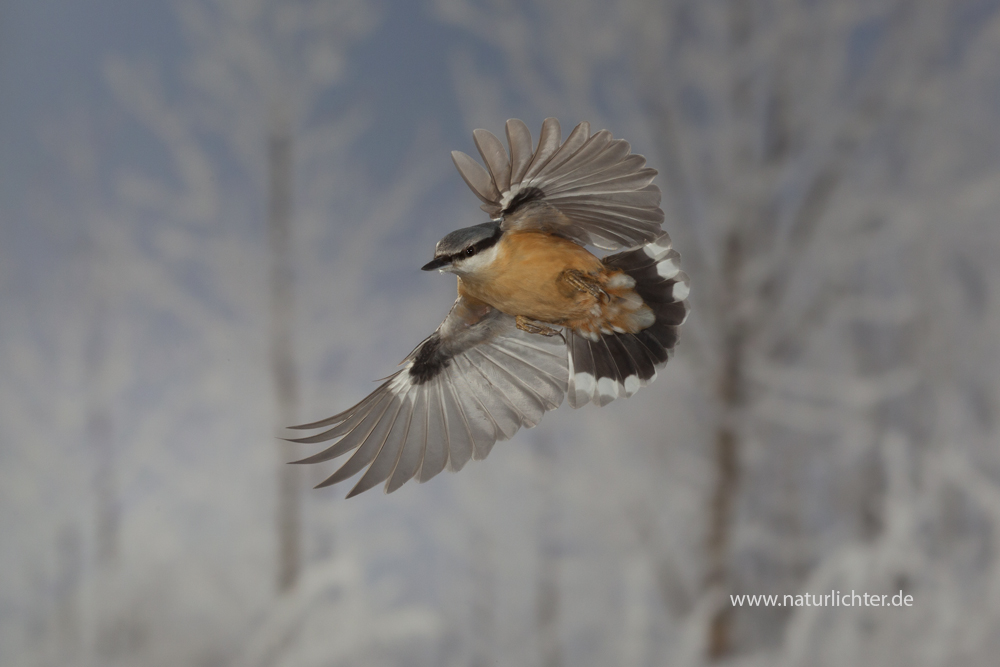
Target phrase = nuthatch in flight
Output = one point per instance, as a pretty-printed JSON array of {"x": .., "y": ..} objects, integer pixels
[{"x": 537, "y": 315}]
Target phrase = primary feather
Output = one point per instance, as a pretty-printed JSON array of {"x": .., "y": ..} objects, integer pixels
[
  {"x": 482, "y": 380},
  {"x": 604, "y": 190},
  {"x": 479, "y": 378}
]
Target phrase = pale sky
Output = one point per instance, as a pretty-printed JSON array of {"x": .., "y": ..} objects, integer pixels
[{"x": 620, "y": 515}]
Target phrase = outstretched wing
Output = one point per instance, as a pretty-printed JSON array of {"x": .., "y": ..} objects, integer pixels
[
  {"x": 589, "y": 188},
  {"x": 475, "y": 380}
]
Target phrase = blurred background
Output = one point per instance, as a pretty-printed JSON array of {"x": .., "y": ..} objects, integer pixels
[{"x": 212, "y": 216}]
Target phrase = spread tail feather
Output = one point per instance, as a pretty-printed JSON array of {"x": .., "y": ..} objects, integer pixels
[{"x": 618, "y": 364}]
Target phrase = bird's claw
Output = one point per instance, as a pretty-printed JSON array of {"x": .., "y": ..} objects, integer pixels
[{"x": 531, "y": 326}]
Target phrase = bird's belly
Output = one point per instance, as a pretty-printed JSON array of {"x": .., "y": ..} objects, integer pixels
[
  {"x": 538, "y": 297},
  {"x": 528, "y": 278}
]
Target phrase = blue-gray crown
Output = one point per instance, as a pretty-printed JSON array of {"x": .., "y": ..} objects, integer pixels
[{"x": 464, "y": 242}]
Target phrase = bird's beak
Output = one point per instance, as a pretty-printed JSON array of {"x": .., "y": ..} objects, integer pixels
[{"x": 436, "y": 263}]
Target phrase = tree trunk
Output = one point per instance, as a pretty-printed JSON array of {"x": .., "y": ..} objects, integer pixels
[
  {"x": 483, "y": 612},
  {"x": 282, "y": 358},
  {"x": 726, "y": 452},
  {"x": 100, "y": 435},
  {"x": 547, "y": 609}
]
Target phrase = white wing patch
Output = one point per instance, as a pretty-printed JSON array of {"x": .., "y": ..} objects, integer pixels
[
  {"x": 478, "y": 379},
  {"x": 406, "y": 430}
]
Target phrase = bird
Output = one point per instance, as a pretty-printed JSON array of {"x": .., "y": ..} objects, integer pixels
[{"x": 538, "y": 317}]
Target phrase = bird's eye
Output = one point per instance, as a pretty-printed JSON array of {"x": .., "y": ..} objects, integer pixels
[{"x": 470, "y": 251}]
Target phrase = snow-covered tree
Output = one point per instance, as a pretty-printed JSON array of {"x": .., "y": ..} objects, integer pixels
[
  {"x": 143, "y": 368},
  {"x": 830, "y": 175},
  {"x": 793, "y": 141}
]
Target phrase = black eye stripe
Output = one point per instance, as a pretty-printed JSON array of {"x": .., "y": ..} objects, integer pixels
[{"x": 479, "y": 246}]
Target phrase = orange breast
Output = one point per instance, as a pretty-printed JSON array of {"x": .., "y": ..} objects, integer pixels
[{"x": 525, "y": 278}]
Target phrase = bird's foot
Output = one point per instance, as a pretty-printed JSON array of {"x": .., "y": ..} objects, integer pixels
[
  {"x": 585, "y": 283},
  {"x": 531, "y": 326}
]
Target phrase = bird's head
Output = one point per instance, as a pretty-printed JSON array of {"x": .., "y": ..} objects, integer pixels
[{"x": 466, "y": 251}]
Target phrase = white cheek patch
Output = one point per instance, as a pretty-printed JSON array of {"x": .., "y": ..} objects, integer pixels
[{"x": 478, "y": 262}]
